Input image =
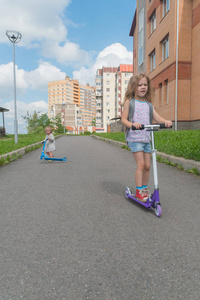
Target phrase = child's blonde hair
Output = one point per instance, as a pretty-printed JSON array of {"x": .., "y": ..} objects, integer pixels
[
  {"x": 48, "y": 127},
  {"x": 132, "y": 87}
]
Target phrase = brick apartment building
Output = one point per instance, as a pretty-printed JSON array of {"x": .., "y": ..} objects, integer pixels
[
  {"x": 167, "y": 47},
  {"x": 75, "y": 102},
  {"x": 111, "y": 84}
]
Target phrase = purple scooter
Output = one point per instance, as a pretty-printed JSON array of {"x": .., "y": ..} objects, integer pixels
[{"x": 153, "y": 201}]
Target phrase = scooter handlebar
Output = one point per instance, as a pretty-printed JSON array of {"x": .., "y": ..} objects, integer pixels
[{"x": 161, "y": 126}]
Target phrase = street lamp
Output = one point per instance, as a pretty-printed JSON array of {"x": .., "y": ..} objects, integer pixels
[
  {"x": 14, "y": 37},
  {"x": 64, "y": 115}
]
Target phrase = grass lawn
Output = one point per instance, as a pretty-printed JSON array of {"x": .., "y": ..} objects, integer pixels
[
  {"x": 185, "y": 143},
  {"x": 7, "y": 144}
]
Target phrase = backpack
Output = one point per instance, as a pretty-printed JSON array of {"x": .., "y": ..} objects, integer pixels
[{"x": 131, "y": 112}]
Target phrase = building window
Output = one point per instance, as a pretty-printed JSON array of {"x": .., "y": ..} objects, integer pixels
[
  {"x": 107, "y": 82},
  {"x": 165, "y": 7},
  {"x": 165, "y": 48},
  {"x": 166, "y": 92},
  {"x": 152, "y": 60},
  {"x": 153, "y": 22},
  {"x": 107, "y": 90},
  {"x": 160, "y": 100},
  {"x": 141, "y": 37}
]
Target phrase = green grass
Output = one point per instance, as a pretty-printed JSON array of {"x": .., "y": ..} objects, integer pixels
[
  {"x": 184, "y": 143},
  {"x": 7, "y": 144}
]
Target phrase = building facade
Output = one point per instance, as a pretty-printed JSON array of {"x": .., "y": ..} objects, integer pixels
[
  {"x": 76, "y": 103},
  {"x": 111, "y": 84},
  {"x": 169, "y": 54}
]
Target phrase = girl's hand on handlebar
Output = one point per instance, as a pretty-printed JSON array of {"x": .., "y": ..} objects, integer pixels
[
  {"x": 168, "y": 123},
  {"x": 137, "y": 125}
]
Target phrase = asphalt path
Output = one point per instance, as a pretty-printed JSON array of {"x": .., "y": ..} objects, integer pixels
[{"x": 68, "y": 232}]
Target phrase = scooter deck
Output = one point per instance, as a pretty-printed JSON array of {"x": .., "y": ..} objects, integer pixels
[
  {"x": 146, "y": 204},
  {"x": 56, "y": 159}
]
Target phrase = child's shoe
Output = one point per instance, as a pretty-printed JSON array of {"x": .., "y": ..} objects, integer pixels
[
  {"x": 146, "y": 192},
  {"x": 141, "y": 196}
]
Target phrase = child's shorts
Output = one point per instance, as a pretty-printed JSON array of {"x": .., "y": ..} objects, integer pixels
[{"x": 137, "y": 147}]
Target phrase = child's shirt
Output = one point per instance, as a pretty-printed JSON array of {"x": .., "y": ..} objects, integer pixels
[
  {"x": 50, "y": 144},
  {"x": 141, "y": 115}
]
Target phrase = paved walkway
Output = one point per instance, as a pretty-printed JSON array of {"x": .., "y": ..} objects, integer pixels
[{"x": 68, "y": 233}]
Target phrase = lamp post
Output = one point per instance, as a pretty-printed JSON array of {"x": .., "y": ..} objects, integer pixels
[
  {"x": 14, "y": 37},
  {"x": 64, "y": 115}
]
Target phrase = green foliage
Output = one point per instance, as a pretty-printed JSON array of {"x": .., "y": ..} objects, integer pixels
[
  {"x": 184, "y": 143},
  {"x": 8, "y": 144},
  {"x": 116, "y": 136},
  {"x": 57, "y": 124},
  {"x": 36, "y": 123},
  {"x": 94, "y": 122}
]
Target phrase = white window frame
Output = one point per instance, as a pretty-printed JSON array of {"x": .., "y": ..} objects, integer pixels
[
  {"x": 153, "y": 60},
  {"x": 153, "y": 22},
  {"x": 166, "y": 7},
  {"x": 141, "y": 37},
  {"x": 165, "y": 48}
]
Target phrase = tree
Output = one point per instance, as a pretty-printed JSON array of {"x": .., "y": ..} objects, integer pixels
[
  {"x": 36, "y": 123},
  {"x": 94, "y": 122},
  {"x": 57, "y": 123}
]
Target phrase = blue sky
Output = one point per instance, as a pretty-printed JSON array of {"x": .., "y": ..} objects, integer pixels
[{"x": 59, "y": 38}]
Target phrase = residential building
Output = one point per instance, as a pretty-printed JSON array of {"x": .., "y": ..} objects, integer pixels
[
  {"x": 170, "y": 57},
  {"x": 111, "y": 84},
  {"x": 74, "y": 101}
]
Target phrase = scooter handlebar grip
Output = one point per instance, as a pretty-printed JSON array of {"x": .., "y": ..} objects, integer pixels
[
  {"x": 163, "y": 126},
  {"x": 134, "y": 128}
]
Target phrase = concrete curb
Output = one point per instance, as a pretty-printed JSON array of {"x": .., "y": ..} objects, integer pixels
[
  {"x": 187, "y": 164},
  {"x": 22, "y": 151}
]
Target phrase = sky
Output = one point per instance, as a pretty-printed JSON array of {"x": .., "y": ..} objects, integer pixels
[{"x": 59, "y": 38}]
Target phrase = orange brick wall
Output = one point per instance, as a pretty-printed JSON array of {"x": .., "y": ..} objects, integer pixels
[{"x": 188, "y": 99}]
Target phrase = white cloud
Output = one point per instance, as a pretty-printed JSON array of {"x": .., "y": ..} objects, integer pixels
[
  {"x": 69, "y": 53},
  {"x": 35, "y": 19},
  {"x": 111, "y": 56},
  {"x": 38, "y": 79},
  {"x": 22, "y": 109},
  {"x": 35, "y": 80}
]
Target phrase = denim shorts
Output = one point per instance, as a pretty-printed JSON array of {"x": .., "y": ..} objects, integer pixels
[{"x": 137, "y": 147}]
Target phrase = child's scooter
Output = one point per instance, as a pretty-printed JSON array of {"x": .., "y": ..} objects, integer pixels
[
  {"x": 44, "y": 156},
  {"x": 153, "y": 201}
]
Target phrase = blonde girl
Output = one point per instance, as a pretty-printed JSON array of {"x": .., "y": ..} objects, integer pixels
[
  {"x": 50, "y": 143},
  {"x": 140, "y": 89}
]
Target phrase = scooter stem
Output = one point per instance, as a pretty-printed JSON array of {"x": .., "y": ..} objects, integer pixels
[{"x": 155, "y": 174}]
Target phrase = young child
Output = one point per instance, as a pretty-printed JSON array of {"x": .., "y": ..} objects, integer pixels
[
  {"x": 50, "y": 143},
  {"x": 139, "y": 88}
]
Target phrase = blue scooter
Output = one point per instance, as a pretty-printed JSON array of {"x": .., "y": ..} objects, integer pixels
[{"x": 45, "y": 157}]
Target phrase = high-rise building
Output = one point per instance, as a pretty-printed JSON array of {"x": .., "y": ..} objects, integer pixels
[
  {"x": 111, "y": 84},
  {"x": 166, "y": 46},
  {"x": 75, "y": 102}
]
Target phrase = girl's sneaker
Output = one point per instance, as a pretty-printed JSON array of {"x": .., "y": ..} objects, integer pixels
[
  {"x": 141, "y": 196},
  {"x": 146, "y": 192}
]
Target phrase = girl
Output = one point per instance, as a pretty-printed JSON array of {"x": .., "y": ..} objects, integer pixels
[
  {"x": 139, "y": 88},
  {"x": 50, "y": 143}
]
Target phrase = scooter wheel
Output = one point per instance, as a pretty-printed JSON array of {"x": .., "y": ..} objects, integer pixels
[
  {"x": 158, "y": 210},
  {"x": 128, "y": 192}
]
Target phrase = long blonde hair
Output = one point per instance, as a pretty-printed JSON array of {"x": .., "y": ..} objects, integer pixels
[{"x": 132, "y": 87}]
